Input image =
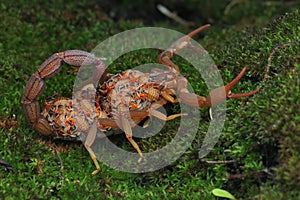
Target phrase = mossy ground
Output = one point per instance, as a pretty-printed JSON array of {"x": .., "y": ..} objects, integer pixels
[{"x": 261, "y": 133}]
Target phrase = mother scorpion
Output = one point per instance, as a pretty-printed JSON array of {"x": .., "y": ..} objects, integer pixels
[{"x": 118, "y": 101}]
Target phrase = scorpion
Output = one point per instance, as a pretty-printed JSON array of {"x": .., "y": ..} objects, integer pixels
[{"x": 116, "y": 102}]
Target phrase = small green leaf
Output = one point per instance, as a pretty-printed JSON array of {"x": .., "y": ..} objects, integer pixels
[
  {"x": 222, "y": 193},
  {"x": 211, "y": 114}
]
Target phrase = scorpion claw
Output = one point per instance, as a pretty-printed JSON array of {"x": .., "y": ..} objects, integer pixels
[
  {"x": 198, "y": 30},
  {"x": 179, "y": 45},
  {"x": 235, "y": 96},
  {"x": 220, "y": 94},
  {"x": 233, "y": 83}
]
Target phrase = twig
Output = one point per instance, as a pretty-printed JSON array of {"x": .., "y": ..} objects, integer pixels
[
  {"x": 232, "y": 4},
  {"x": 218, "y": 161},
  {"x": 7, "y": 165},
  {"x": 279, "y": 3},
  {"x": 266, "y": 75},
  {"x": 174, "y": 16}
]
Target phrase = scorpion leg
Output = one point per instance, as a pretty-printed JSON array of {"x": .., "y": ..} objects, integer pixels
[
  {"x": 154, "y": 112},
  {"x": 163, "y": 117},
  {"x": 88, "y": 143},
  {"x": 167, "y": 95},
  {"x": 125, "y": 124}
]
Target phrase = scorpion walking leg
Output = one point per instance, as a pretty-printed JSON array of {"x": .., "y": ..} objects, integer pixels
[
  {"x": 128, "y": 132},
  {"x": 163, "y": 117},
  {"x": 154, "y": 112},
  {"x": 167, "y": 95},
  {"x": 88, "y": 143}
]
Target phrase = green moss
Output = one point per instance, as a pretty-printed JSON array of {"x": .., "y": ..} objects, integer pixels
[
  {"x": 265, "y": 133},
  {"x": 260, "y": 133}
]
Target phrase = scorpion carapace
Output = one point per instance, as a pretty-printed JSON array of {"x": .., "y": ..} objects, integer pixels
[{"x": 118, "y": 103}]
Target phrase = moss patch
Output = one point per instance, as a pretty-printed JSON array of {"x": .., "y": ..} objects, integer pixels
[{"x": 261, "y": 133}]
